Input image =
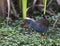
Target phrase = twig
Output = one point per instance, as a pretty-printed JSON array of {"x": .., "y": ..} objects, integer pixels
[
  {"x": 54, "y": 24},
  {"x": 15, "y": 13},
  {"x": 34, "y": 2},
  {"x": 35, "y": 6},
  {"x": 49, "y": 3},
  {"x": 8, "y": 2}
]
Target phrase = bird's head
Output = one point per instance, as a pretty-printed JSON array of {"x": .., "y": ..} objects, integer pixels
[{"x": 28, "y": 21}]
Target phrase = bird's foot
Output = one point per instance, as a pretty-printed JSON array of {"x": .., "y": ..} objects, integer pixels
[{"x": 42, "y": 36}]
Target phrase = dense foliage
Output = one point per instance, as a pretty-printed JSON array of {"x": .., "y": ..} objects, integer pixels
[{"x": 16, "y": 35}]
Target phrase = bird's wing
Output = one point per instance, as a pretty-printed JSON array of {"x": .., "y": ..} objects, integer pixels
[
  {"x": 42, "y": 22},
  {"x": 39, "y": 23}
]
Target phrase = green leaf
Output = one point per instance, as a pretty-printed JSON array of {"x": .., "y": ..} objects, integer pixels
[
  {"x": 24, "y": 7},
  {"x": 45, "y": 2}
]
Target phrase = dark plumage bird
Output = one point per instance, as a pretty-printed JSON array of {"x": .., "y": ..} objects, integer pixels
[{"x": 40, "y": 26}]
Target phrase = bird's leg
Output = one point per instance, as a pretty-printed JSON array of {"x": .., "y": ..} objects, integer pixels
[
  {"x": 35, "y": 32},
  {"x": 42, "y": 35}
]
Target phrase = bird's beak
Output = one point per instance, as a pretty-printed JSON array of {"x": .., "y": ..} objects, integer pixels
[{"x": 25, "y": 25}]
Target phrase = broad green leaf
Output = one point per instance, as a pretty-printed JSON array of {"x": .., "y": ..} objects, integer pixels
[
  {"x": 24, "y": 7},
  {"x": 45, "y": 2}
]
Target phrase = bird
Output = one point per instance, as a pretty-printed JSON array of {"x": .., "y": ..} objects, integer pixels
[{"x": 40, "y": 26}]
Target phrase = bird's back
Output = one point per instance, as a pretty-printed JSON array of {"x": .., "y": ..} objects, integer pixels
[{"x": 40, "y": 26}]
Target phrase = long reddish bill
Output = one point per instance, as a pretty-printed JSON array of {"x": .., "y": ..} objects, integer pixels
[{"x": 25, "y": 25}]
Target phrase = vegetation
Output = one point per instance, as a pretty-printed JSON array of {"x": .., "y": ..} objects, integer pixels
[{"x": 14, "y": 34}]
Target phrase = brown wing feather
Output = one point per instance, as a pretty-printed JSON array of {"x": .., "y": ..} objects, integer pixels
[{"x": 42, "y": 22}]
